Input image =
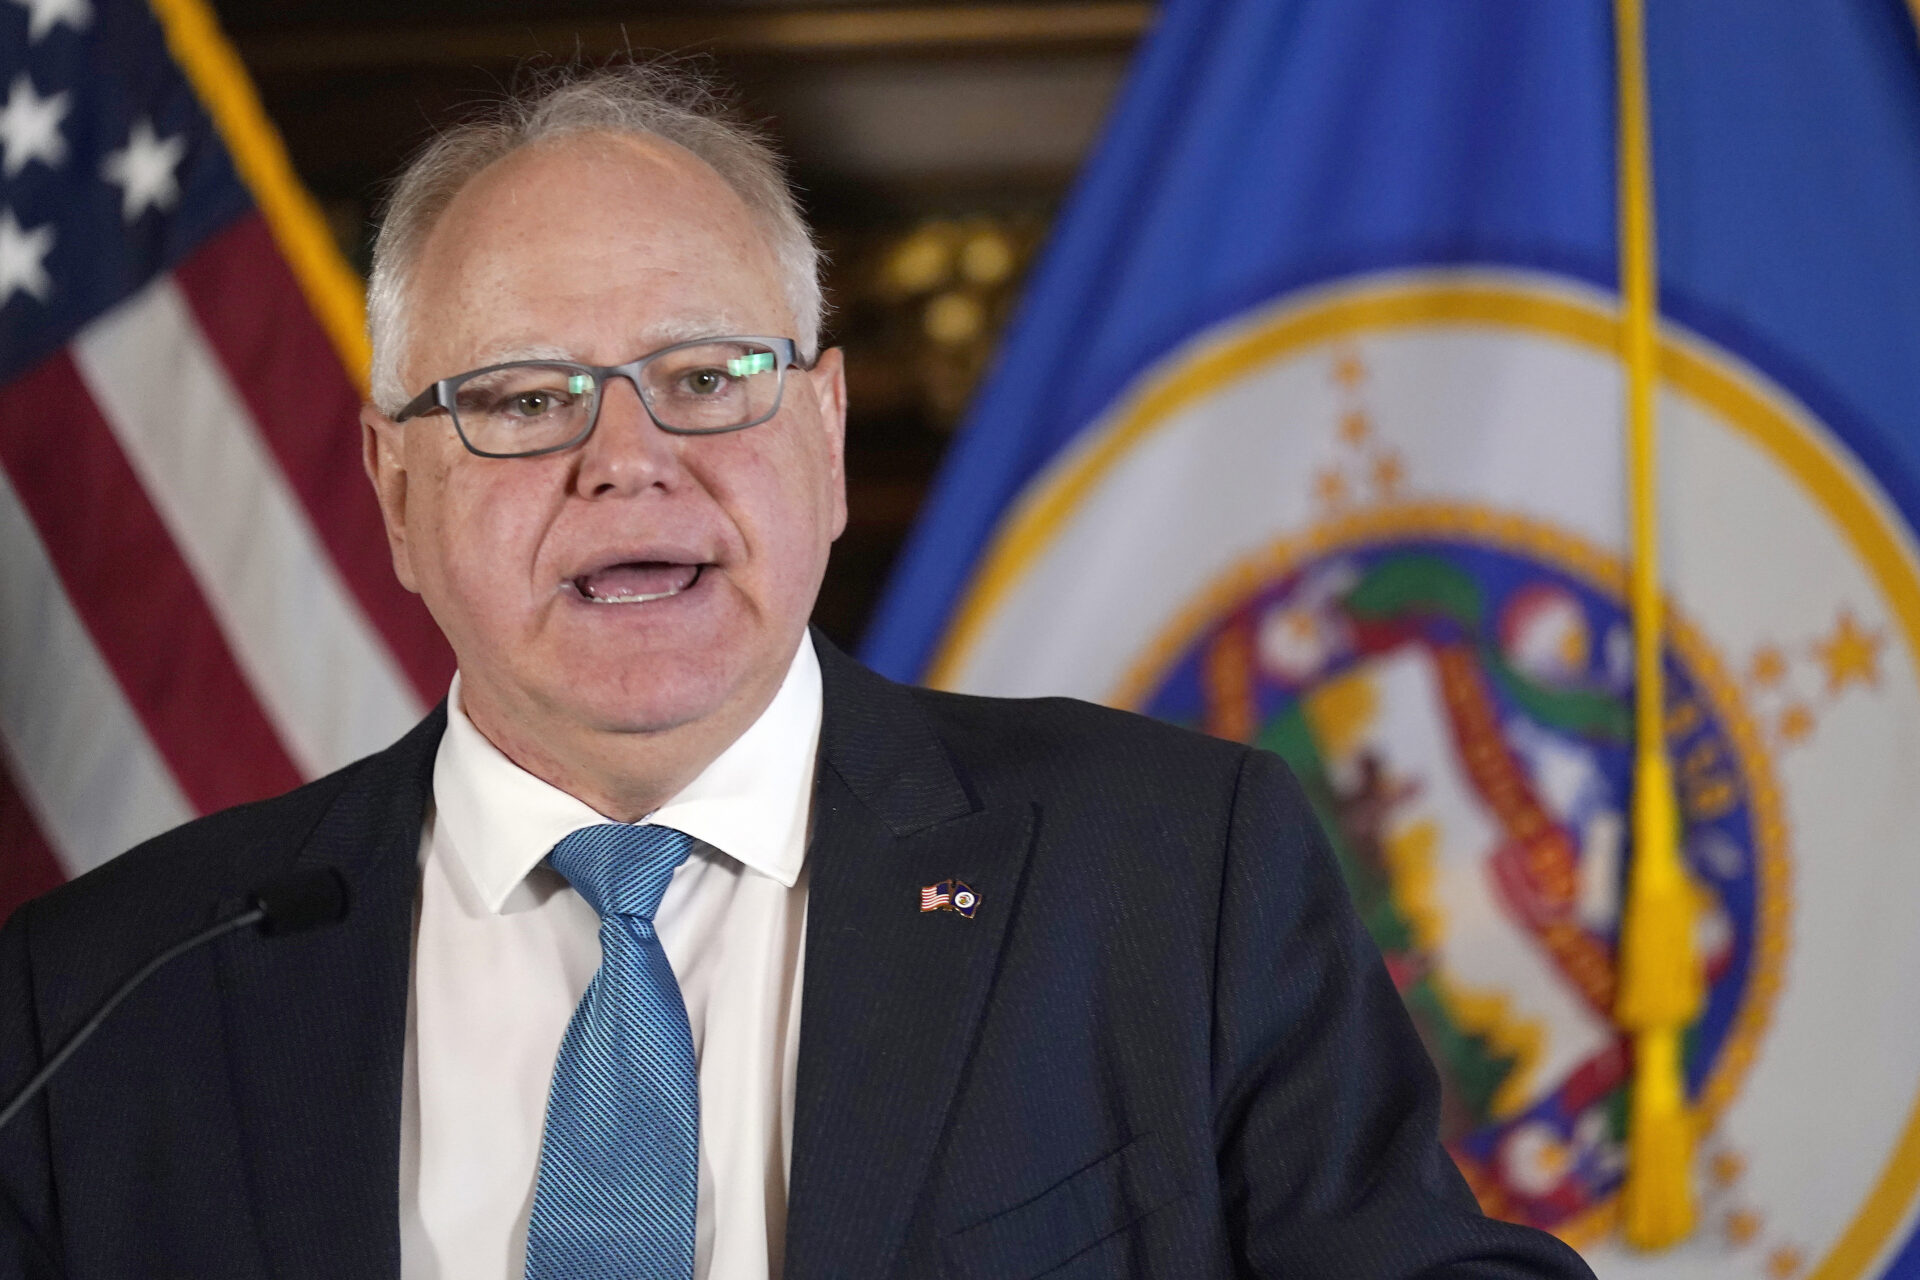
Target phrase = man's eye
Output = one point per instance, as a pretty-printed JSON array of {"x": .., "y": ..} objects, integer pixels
[
  {"x": 532, "y": 404},
  {"x": 705, "y": 382}
]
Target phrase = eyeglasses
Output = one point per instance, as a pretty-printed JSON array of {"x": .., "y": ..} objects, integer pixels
[{"x": 525, "y": 408}]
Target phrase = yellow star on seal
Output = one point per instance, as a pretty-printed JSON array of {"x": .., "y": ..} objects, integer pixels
[
  {"x": 1742, "y": 1226},
  {"x": 1348, "y": 371},
  {"x": 1331, "y": 488},
  {"x": 1388, "y": 475},
  {"x": 1851, "y": 655},
  {"x": 1784, "y": 1262},
  {"x": 1354, "y": 427},
  {"x": 1769, "y": 666}
]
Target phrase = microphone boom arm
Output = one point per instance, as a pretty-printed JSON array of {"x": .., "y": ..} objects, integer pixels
[{"x": 309, "y": 899}]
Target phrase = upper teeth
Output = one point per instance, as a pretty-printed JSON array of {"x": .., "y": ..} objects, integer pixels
[
  {"x": 636, "y": 597},
  {"x": 631, "y": 597}
]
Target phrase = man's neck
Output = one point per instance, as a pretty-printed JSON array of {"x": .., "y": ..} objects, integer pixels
[{"x": 621, "y": 774}]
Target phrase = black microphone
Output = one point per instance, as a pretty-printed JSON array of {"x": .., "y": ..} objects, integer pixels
[
  {"x": 310, "y": 899},
  {"x": 294, "y": 903}
]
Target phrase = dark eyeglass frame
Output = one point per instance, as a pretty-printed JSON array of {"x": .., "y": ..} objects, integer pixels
[{"x": 786, "y": 356}]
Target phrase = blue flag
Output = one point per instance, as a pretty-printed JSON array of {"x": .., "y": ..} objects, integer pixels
[{"x": 1309, "y": 434}]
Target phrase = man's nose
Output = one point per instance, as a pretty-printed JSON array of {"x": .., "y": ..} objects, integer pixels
[{"x": 627, "y": 451}]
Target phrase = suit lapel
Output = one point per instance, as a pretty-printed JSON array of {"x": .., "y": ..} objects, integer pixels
[
  {"x": 892, "y": 995},
  {"x": 317, "y": 1031}
]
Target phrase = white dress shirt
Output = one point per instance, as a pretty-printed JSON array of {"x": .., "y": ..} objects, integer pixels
[{"x": 503, "y": 949}]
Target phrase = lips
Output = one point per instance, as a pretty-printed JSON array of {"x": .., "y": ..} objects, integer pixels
[{"x": 637, "y": 581}]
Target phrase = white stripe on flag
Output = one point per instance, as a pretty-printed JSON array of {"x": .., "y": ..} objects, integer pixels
[
  {"x": 81, "y": 757},
  {"x": 324, "y": 676}
]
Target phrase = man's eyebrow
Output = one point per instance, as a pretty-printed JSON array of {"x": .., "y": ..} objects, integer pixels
[
  {"x": 686, "y": 328},
  {"x": 654, "y": 337},
  {"x": 508, "y": 355}
]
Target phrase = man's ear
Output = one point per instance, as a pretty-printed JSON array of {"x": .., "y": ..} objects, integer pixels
[
  {"x": 829, "y": 379},
  {"x": 381, "y": 453}
]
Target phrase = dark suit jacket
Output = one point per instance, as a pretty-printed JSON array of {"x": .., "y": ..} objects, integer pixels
[{"x": 1162, "y": 1047}]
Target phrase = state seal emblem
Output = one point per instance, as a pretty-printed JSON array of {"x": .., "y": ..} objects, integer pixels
[
  {"x": 1452, "y": 690},
  {"x": 1380, "y": 529}
]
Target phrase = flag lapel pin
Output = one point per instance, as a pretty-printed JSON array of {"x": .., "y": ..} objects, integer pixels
[{"x": 950, "y": 895}]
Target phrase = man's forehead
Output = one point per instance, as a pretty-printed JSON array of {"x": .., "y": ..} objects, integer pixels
[
  {"x": 587, "y": 204},
  {"x": 550, "y": 182},
  {"x": 554, "y": 253}
]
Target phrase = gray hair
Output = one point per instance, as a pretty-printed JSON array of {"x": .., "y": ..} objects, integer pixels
[{"x": 659, "y": 100}]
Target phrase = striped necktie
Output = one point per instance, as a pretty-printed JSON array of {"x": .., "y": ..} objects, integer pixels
[{"x": 619, "y": 1164}]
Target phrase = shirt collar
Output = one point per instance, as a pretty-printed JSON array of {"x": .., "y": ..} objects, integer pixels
[{"x": 751, "y": 803}]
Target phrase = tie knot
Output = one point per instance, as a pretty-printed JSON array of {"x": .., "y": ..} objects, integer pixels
[{"x": 619, "y": 869}]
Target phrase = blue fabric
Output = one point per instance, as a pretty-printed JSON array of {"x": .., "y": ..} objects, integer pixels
[
  {"x": 619, "y": 1166},
  {"x": 1258, "y": 148},
  {"x": 1262, "y": 147},
  {"x": 115, "y": 70}
]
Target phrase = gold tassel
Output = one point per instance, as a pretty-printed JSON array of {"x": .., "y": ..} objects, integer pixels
[
  {"x": 1656, "y": 1205},
  {"x": 1660, "y": 981},
  {"x": 1660, "y": 990}
]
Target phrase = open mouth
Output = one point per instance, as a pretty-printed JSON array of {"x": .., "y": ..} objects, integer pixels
[{"x": 637, "y": 582}]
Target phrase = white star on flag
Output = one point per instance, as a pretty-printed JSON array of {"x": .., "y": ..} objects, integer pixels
[
  {"x": 23, "y": 259},
  {"x": 45, "y": 15},
  {"x": 30, "y": 127},
  {"x": 144, "y": 170}
]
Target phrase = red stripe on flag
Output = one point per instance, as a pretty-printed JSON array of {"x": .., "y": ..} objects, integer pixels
[
  {"x": 28, "y": 866},
  {"x": 135, "y": 593},
  {"x": 287, "y": 373}
]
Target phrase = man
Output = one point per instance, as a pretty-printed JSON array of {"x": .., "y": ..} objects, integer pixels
[{"x": 682, "y": 945}]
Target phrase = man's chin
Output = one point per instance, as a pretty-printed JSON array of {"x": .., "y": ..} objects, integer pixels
[
  {"x": 645, "y": 720},
  {"x": 561, "y": 698},
  {"x": 656, "y": 695}
]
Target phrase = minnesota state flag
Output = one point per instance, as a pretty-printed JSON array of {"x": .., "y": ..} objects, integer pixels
[{"x": 1311, "y": 433}]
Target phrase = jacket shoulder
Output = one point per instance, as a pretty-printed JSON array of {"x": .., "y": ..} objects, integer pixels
[
  {"x": 154, "y": 892},
  {"x": 1065, "y": 738},
  {"x": 1159, "y": 799},
  {"x": 203, "y": 851}
]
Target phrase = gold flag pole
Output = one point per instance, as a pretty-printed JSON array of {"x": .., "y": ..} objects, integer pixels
[
  {"x": 1660, "y": 984},
  {"x": 220, "y": 81}
]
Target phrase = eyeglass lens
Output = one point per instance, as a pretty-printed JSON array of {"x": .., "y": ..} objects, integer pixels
[{"x": 532, "y": 406}]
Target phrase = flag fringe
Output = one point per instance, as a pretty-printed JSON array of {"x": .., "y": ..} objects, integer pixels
[{"x": 331, "y": 286}]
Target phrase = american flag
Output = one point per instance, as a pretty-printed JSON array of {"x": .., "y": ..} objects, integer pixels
[
  {"x": 950, "y": 895},
  {"x": 196, "y": 603}
]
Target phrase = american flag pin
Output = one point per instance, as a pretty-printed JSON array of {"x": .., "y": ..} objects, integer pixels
[{"x": 950, "y": 895}]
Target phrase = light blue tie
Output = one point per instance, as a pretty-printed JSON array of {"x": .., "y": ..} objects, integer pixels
[{"x": 619, "y": 1166}]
